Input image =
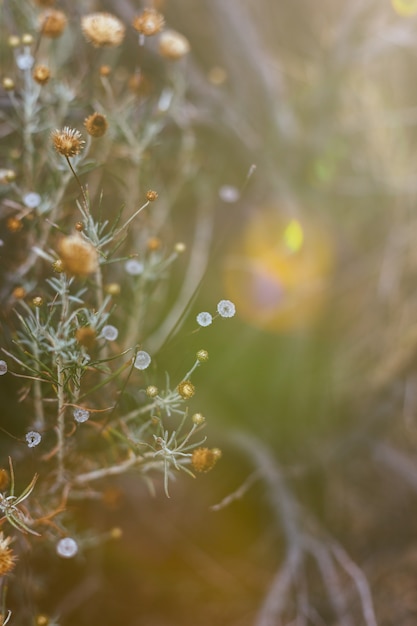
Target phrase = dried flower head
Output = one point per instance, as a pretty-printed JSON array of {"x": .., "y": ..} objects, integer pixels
[
  {"x": 153, "y": 244},
  {"x": 198, "y": 419},
  {"x": 96, "y": 124},
  {"x": 68, "y": 141},
  {"x": 86, "y": 336},
  {"x": 13, "y": 41},
  {"x": 173, "y": 45},
  {"x": 7, "y": 558},
  {"x": 202, "y": 356},
  {"x": 204, "y": 459},
  {"x": 37, "y": 301},
  {"x": 113, "y": 289},
  {"x": 105, "y": 70},
  {"x": 58, "y": 266},
  {"x": 186, "y": 389},
  {"x": 103, "y": 29},
  {"x": 27, "y": 39},
  {"x": 151, "y": 195},
  {"x": 79, "y": 226},
  {"x": 19, "y": 292},
  {"x": 41, "y": 74},
  {"x": 78, "y": 256},
  {"x": 8, "y": 83},
  {"x": 149, "y": 22},
  {"x": 152, "y": 391},
  {"x": 14, "y": 224},
  {"x": 52, "y": 23}
]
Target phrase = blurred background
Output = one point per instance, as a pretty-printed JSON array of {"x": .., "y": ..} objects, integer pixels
[{"x": 303, "y": 119}]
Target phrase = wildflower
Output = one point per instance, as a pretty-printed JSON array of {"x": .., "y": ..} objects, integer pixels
[
  {"x": 32, "y": 200},
  {"x": 7, "y": 558},
  {"x": 186, "y": 389},
  {"x": 173, "y": 45},
  {"x": 96, "y": 124},
  {"x": 19, "y": 292},
  {"x": 78, "y": 256},
  {"x": 134, "y": 267},
  {"x": 27, "y": 39},
  {"x": 112, "y": 289},
  {"x": 37, "y": 301},
  {"x": 13, "y": 41},
  {"x": 105, "y": 70},
  {"x": 152, "y": 391},
  {"x": 202, "y": 356},
  {"x": 180, "y": 247},
  {"x": 8, "y": 83},
  {"x": 151, "y": 195},
  {"x": 142, "y": 360},
  {"x": 204, "y": 459},
  {"x": 225, "y": 308},
  {"x": 103, "y": 29},
  {"x": 58, "y": 266},
  {"x": 204, "y": 319},
  {"x": 41, "y": 74},
  {"x": 149, "y": 22},
  {"x": 52, "y": 23},
  {"x": 33, "y": 439},
  {"x": 86, "y": 336},
  {"x": 198, "y": 419},
  {"x": 68, "y": 141},
  {"x": 67, "y": 548},
  {"x": 110, "y": 332},
  {"x": 24, "y": 61},
  {"x": 14, "y": 224},
  {"x": 3, "y": 368},
  {"x": 153, "y": 244},
  {"x": 81, "y": 415},
  {"x": 229, "y": 194}
]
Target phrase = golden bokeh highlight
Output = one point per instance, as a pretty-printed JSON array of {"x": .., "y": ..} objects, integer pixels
[
  {"x": 405, "y": 8},
  {"x": 278, "y": 271}
]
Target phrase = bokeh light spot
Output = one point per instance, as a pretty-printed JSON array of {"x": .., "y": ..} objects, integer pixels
[
  {"x": 294, "y": 236},
  {"x": 405, "y": 7}
]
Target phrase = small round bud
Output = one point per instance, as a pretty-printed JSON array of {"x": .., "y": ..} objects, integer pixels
[
  {"x": 19, "y": 292},
  {"x": 79, "y": 256},
  {"x": 79, "y": 226},
  {"x": 13, "y": 224},
  {"x": 86, "y": 336},
  {"x": 173, "y": 45},
  {"x": 153, "y": 244},
  {"x": 42, "y": 620},
  {"x": 67, "y": 548},
  {"x": 180, "y": 247},
  {"x": 105, "y": 70},
  {"x": 217, "y": 75},
  {"x": 52, "y": 23},
  {"x": 96, "y": 125},
  {"x": 204, "y": 459},
  {"x": 113, "y": 289},
  {"x": 151, "y": 195},
  {"x": 142, "y": 360},
  {"x": 217, "y": 453},
  {"x": 8, "y": 83},
  {"x": 10, "y": 176},
  {"x": 198, "y": 419},
  {"x": 204, "y": 319},
  {"x": 81, "y": 415},
  {"x": 58, "y": 266},
  {"x": 33, "y": 439},
  {"x": 41, "y": 74},
  {"x": 202, "y": 356},
  {"x": 110, "y": 332},
  {"x": 186, "y": 389},
  {"x": 116, "y": 533},
  {"x": 37, "y": 301},
  {"x": 152, "y": 391},
  {"x": 13, "y": 41},
  {"x": 27, "y": 39},
  {"x": 149, "y": 22}
]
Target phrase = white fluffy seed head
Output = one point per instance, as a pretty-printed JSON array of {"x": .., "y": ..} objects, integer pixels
[
  {"x": 142, "y": 360},
  {"x": 204, "y": 319},
  {"x": 67, "y": 547},
  {"x": 226, "y": 308}
]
